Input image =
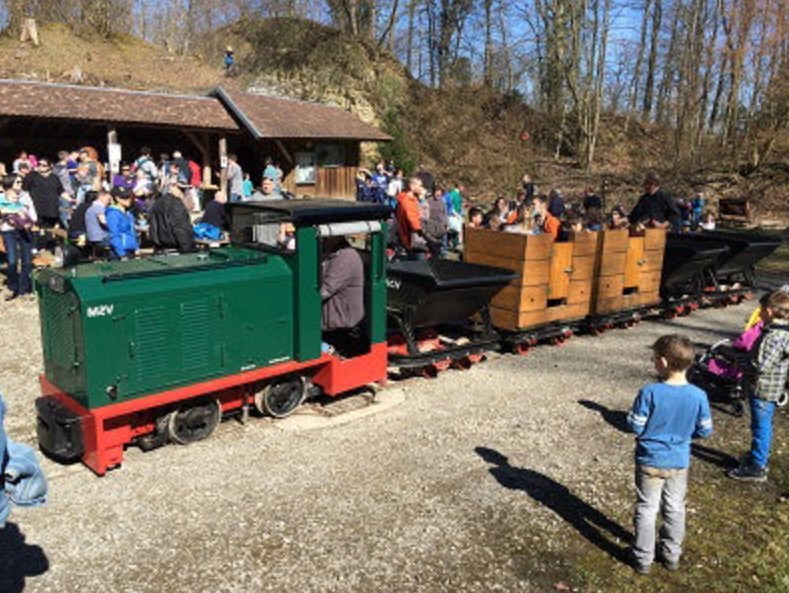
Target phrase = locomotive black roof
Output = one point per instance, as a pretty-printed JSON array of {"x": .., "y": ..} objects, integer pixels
[{"x": 318, "y": 211}]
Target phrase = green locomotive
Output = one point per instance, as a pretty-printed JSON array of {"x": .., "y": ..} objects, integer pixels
[{"x": 156, "y": 349}]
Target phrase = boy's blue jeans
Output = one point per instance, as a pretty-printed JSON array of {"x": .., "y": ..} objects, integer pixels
[
  {"x": 762, "y": 413},
  {"x": 659, "y": 490}
]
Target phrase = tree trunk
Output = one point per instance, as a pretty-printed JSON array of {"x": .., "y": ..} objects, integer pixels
[
  {"x": 488, "y": 58},
  {"x": 639, "y": 63},
  {"x": 409, "y": 55},
  {"x": 669, "y": 68},
  {"x": 649, "y": 85}
]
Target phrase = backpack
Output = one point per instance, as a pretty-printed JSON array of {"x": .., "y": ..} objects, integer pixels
[
  {"x": 146, "y": 166},
  {"x": 207, "y": 232}
]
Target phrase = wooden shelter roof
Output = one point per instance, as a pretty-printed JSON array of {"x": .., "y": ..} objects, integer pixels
[
  {"x": 112, "y": 106},
  {"x": 275, "y": 117}
]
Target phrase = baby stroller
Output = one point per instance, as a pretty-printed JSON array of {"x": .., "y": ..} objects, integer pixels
[{"x": 726, "y": 372}]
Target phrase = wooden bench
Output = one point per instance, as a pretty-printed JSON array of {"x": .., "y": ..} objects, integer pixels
[{"x": 736, "y": 210}]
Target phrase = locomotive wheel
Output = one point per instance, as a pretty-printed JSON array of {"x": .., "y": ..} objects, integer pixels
[
  {"x": 281, "y": 399},
  {"x": 195, "y": 422}
]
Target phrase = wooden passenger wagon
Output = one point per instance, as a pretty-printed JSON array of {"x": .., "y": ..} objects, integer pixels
[{"x": 593, "y": 279}]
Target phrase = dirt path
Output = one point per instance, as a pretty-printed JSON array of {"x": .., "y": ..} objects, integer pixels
[{"x": 512, "y": 476}]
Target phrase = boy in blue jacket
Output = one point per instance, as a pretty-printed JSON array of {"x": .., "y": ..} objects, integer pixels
[{"x": 665, "y": 417}]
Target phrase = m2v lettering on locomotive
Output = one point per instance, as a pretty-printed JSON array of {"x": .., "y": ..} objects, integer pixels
[{"x": 100, "y": 310}]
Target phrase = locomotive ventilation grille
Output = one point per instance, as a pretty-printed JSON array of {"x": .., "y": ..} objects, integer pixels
[{"x": 60, "y": 314}]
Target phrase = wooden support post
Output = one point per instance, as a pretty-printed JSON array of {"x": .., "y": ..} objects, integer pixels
[
  {"x": 113, "y": 154},
  {"x": 285, "y": 152},
  {"x": 223, "y": 165},
  {"x": 202, "y": 143}
]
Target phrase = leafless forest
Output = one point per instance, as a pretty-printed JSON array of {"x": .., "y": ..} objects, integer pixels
[{"x": 712, "y": 71}]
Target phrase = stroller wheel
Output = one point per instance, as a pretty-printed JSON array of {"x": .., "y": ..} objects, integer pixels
[
  {"x": 783, "y": 399},
  {"x": 737, "y": 408}
]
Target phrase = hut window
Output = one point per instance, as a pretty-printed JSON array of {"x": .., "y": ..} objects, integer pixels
[
  {"x": 330, "y": 155},
  {"x": 305, "y": 168}
]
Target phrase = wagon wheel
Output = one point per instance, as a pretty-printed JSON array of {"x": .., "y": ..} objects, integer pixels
[
  {"x": 428, "y": 371},
  {"x": 193, "y": 422},
  {"x": 522, "y": 348},
  {"x": 442, "y": 365},
  {"x": 281, "y": 399},
  {"x": 474, "y": 358}
]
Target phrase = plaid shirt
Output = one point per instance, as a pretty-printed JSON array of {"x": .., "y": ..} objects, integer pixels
[{"x": 772, "y": 362}]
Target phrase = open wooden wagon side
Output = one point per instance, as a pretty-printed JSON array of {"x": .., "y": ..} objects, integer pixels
[
  {"x": 553, "y": 290},
  {"x": 627, "y": 277}
]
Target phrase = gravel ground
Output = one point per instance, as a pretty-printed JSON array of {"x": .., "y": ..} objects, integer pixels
[{"x": 495, "y": 478}]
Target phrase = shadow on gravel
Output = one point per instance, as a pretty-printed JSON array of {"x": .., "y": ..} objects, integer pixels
[
  {"x": 691, "y": 326},
  {"x": 713, "y": 456},
  {"x": 587, "y": 520},
  {"x": 18, "y": 560},
  {"x": 615, "y": 418}
]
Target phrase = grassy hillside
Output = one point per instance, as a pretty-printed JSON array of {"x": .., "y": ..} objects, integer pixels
[{"x": 123, "y": 61}]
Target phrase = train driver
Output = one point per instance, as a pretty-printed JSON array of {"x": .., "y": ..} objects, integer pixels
[{"x": 342, "y": 294}]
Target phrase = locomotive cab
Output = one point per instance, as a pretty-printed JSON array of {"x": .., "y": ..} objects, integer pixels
[{"x": 301, "y": 231}]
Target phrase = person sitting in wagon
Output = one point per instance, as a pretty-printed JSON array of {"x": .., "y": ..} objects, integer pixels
[{"x": 549, "y": 223}]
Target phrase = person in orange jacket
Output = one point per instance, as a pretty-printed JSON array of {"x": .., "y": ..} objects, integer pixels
[
  {"x": 410, "y": 211},
  {"x": 550, "y": 224}
]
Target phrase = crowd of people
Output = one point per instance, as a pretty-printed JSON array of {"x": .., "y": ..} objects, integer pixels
[
  {"x": 43, "y": 202},
  {"x": 429, "y": 218}
]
